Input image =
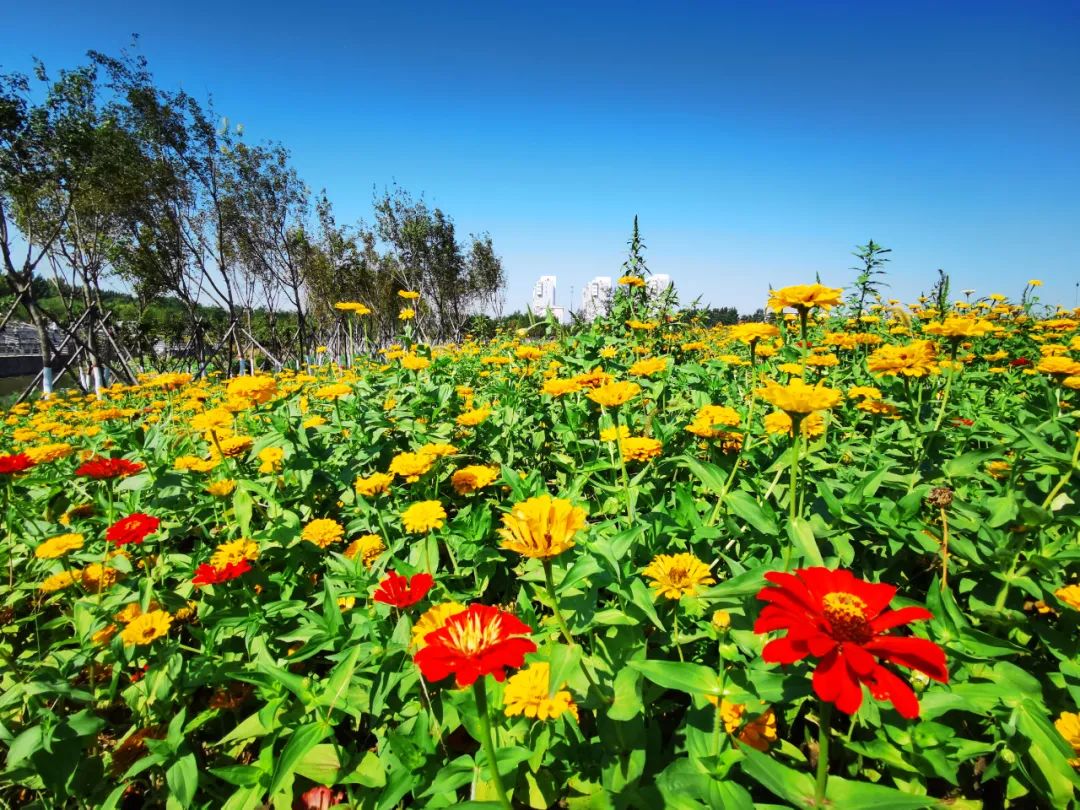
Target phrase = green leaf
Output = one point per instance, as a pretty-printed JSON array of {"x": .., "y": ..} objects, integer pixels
[
  {"x": 183, "y": 779},
  {"x": 802, "y": 538},
  {"x": 627, "y": 702},
  {"x": 743, "y": 505},
  {"x": 795, "y": 787},
  {"x": 711, "y": 476},
  {"x": 693, "y": 679},
  {"x": 242, "y": 508},
  {"x": 966, "y": 464},
  {"x": 300, "y": 743},
  {"x": 865, "y": 796}
]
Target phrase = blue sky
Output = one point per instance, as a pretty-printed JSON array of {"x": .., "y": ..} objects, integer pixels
[{"x": 757, "y": 141}]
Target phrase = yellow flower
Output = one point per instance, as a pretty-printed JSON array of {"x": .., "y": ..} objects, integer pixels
[
  {"x": 49, "y": 452},
  {"x": 59, "y": 546},
  {"x": 757, "y": 733},
  {"x": 609, "y": 352},
  {"x": 804, "y": 297},
  {"x": 368, "y": 547},
  {"x": 411, "y": 466},
  {"x": 541, "y": 527},
  {"x": 257, "y": 389},
  {"x": 146, "y": 628},
  {"x": 232, "y": 446},
  {"x": 797, "y": 397},
  {"x": 408, "y": 295},
  {"x": 313, "y": 421},
  {"x": 614, "y": 394},
  {"x": 354, "y": 307},
  {"x": 1070, "y": 595},
  {"x": 957, "y": 328},
  {"x": 863, "y": 391},
  {"x": 560, "y": 387},
  {"x": 59, "y": 581},
  {"x": 878, "y": 408},
  {"x": 433, "y": 619},
  {"x": 1034, "y": 282},
  {"x": 323, "y": 532},
  {"x": 437, "y": 450},
  {"x": 997, "y": 469},
  {"x": 374, "y": 484},
  {"x": 97, "y": 578},
  {"x": 473, "y": 417},
  {"x": 105, "y": 634},
  {"x": 333, "y": 391},
  {"x": 219, "y": 489},
  {"x": 234, "y": 551},
  {"x": 708, "y": 417},
  {"x": 527, "y": 693},
  {"x": 528, "y": 353},
  {"x": 676, "y": 575},
  {"x": 639, "y": 448},
  {"x": 1059, "y": 367},
  {"x": 750, "y": 333},
  {"x": 271, "y": 459},
  {"x": 632, "y": 281},
  {"x": 721, "y": 620},
  {"x": 212, "y": 420},
  {"x": 915, "y": 359},
  {"x": 469, "y": 479},
  {"x": 407, "y": 314},
  {"x": 648, "y": 367},
  {"x": 412, "y": 362},
  {"x": 611, "y": 434},
  {"x": 1068, "y": 726},
  {"x": 642, "y": 326},
  {"x": 423, "y": 516},
  {"x": 133, "y": 610},
  {"x": 779, "y": 422}
]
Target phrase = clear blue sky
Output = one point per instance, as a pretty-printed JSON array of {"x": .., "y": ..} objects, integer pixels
[{"x": 758, "y": 141}]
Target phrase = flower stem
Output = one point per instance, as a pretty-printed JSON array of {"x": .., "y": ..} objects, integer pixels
[
  {"x": 824, "y": 715},
  {"x": 488, "y": 741},
  {"x": 549, "y": 584},
  {"x": 793, "y": 466}
]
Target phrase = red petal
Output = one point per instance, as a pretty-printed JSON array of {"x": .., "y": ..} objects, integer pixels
[
  {"x": 783, "y": 651},
  {"x": 899, "y": 618},
  {"x": 914, "y": 653},
  {"x": 884, "y": 685}
]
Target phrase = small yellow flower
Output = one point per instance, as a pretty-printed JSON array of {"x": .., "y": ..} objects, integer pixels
[
  {"x": 411, "y": 466},
  {"x": 233, "y": 552},
  {"x": 58, "y": 582},
  {"x": 541, "y": 527},
  {"x": 804, "y": 297},
  {"x": 431, "y": 620},
  {"x": 639, "y": 448},
  {"x": 368, "y": 547},
  {"x": 1068, "y": 726},
  {"x": 611, "y": 434},
  {"x": 474, "y": 417},
  {"x": 407, "y": 314},
  {"x": 1070, "y": 595},
  {"x": 59, "y": 546},
  {"x": 709, "y": 417},
  {"x": 256, "y": 389},
  {"x": 797, "y": 397},
  {"x": 676, "y": 575},
  {"x": 648, "y": 367},
  {"x": 271, "y": 459},
  {"x": 333, "y": 391},
  {"x": 408, "y": 295},
  {"x": 527, "y": 693},
  {"x": 222, "y": 488},
  {"x": 147, "y": 627},
  {"x": 323, "y": 532},
  {"x": 96, "y": 577},
  {"x": 560, "y": 387},
  {"x": 614, "y": 394},
  {"x": 469, "y": 479},
  {"x": 632, "y": 281},
  {"x": 412, "y": 362},
  {"x": 423, "y": 516},
  {"x": 374, "y": 484}
]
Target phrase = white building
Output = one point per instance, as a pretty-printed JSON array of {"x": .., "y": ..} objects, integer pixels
[
  {"x": 543, "y": 296},
  {"x": 658, "y": 283},
  {"x": 595, "y": 298}
]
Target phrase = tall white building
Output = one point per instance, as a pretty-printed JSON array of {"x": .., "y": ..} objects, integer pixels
[
  {"x": 595, "y": 298},
  {"x": 658, "y": 283},
  {"x": 543, "y": 296}
]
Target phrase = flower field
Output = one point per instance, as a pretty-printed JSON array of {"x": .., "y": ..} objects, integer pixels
[{"x": 828, "y": 560}]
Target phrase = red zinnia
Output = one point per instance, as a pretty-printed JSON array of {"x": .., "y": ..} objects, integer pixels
[
  {"x": 206, "y": 574},
  {"x": 1019, "y": 361},
  {"x": 400, "y": 592},
  {"x": 101, "y": 468},
  {"x": 17, "y": 463},
  {"x": 480, "y": 641},
  {"x": 839, "y": 618},
  {"x": 132, "y": 529}
]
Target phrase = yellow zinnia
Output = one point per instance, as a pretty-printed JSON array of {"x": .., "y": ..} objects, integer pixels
[
  {"x": 797, "y": 397},
  {"x": 613, "y": 394},
  {"x": 677, "y": 575},
  {"x": 147, "y": 627},
  {"x": 541, "y": 527},
  {"x": 527, "y": 693},
  {"x": 423, "y": 516}
]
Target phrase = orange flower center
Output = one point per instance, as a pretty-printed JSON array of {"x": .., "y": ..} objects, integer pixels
[
  {"x": 470, "y": 637},
  {"x": 847, "y": 616}
]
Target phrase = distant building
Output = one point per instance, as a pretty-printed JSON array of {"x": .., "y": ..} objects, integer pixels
[
  {"x": 543, "y": 297},
  {"x": 658, "y": 283},
  {"x": 595, "y": 298}
]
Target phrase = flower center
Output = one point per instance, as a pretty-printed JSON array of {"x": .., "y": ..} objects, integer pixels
[
  {"x": 470, "y": 637},
  {"x": 847, "y": 616},
  {"x": 678, "y": 576}
]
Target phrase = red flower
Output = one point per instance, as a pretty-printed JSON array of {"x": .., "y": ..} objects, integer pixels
[
  {"x": 839, "y": 618},
  {"x": 480, "y": 641},
  {"x": 1019, "y": 361},
  {"x": 102, "y": 468},
  {"x": 132, "y": 529},
  {"x": 400, "y": 592},
  {"x": 318, "y": 798},
  {"x": 17, "y": 463},
  {"x": 960, "y": 421},
  {"x": 206, "y": 574}
]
